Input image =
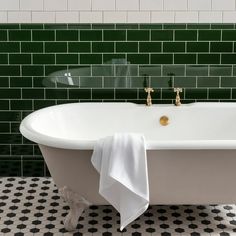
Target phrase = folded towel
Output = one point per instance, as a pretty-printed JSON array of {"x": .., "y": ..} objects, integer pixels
[{"x": 122, "y": 164}]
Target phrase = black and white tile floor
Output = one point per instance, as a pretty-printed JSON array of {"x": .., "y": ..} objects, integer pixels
[{"x": 32, "y": 206}]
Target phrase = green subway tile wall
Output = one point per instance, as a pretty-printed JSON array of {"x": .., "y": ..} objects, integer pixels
[{"x": 47, "y": 64}]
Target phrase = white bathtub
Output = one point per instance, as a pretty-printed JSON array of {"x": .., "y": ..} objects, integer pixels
[{"x": 190, "y": 161}]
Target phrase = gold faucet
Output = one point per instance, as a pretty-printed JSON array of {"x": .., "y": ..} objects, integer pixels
[
  {"x": 149, "y": 98},
  {"x": 177, "y": 99}
]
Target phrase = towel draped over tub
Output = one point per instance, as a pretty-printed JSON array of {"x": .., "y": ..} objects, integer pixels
[{"x": 121, "y": 161}]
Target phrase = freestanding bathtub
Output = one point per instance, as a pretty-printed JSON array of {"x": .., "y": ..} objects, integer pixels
[{"x": 192, "y": 160}]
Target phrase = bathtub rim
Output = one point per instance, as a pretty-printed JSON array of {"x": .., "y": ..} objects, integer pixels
[{"x": 75, "y": 144}]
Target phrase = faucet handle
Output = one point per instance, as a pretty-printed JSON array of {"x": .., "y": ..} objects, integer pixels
[
  {"x": 149, "y": 90},
  {"x": 149, "y": 98},
  {"x": 177, "y": 99},
  {"x": 178, "y": 90}
]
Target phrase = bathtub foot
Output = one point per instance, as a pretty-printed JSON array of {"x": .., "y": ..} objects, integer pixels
[{"x": 77, "y": 205}]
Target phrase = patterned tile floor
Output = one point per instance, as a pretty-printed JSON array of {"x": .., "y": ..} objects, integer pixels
[{"x": 32, "y": 206}]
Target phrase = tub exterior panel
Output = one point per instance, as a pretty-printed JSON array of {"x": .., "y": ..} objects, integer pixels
[{"x": 175, "y": 176}]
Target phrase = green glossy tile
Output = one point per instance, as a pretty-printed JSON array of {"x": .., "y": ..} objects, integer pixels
[
  {"x": 79, "y": 47},
  {"x": 3, "y": 35},
  {"x": 66, "y": 58},
  {"x": 9, "y": 70},
  {"x": 197, "y": 46},
  {"x": 43, "y": 35},
  {"x": 161, "y": 58},
  {"x": 208, "y": 35},
  {"x": 79, "y": 26},
  {"x": 32, "y": 93},
  {"x": 4, "y": 105},
  {"x": 126, "y": 70},
  {"x": 33, "y": 167},
  {"x": 10, "y": 167},
  {"x": 186, "y": 35},
  {"x": 138, "y": 58},
  {"x": 198, "y": 26},
  {"x": 221, "y": 47},
  {"x": 161, "y": 82},
  {"x": 10, "y": 116},
  {"x": 195, "y": 93},
  {"x": 138, "y": 35},
  {"x": 209, "y": 58},
  {"x": 115, "y": 82},
  {"x": 116, "y": 58},
  {"x": 174, "y": 26},
  {"x": 38, "y": 104},
  {"x": 15, "y": 127},
  {"x": 185, "y": 82},
  {"x": 55, "y": 26},
  {"x": 31, "y": 26},
  {"x": 103, "y": 70},
  {"x": 168, "y": 94},
  {"x": 9, "y": 47},
  {"x": 103, "y": 93},
  {"x": 20, "y": 149},
  {"x": 220, "y": 70},
  {"x": 21, "y": 104},
  {"x": 32, "y": 47},
  {"x": 9, "y": 26},
  {"x": 126, "y": 46},
  {"x": 174, "y": 70},
  {"x": 234, "y": 70},
  {"x": 229, "y": 82},
  {"x": 91, "y": 35},
  {"x": 208, "y": 82},
  {"x": 4, "y": 127},
  {"x": 161, "y": 35},
  {"x": 103, "y": 26},
  {"x": 126, "y": 93},
  {"x": 185, "y": 58},
  {"x": 173, "y": 47},
  {"x": 103, "y": 47},
  {"x": 150, "y": 26},
  {"x": 222, "y": 26},
  {"x": 56, "y": 93},
  {"x": 4, "y": 81},
  {"x": 80, "y": 70},
  {"x": 5, "y": 149},
  {"x": 40, "y": 81},
  {"x": 4, "y": 59},
  {"x": 196, "y": 70},
  {"x": 150, "y": 47},
  {"x": 114, "y": 35},
  {"x": 43, "y": 59},
  {"x": 20, "y": 81},
  {"x": 80, "y": 94},
  {"x": 32, "y": 70},
  {"x": 150, "y": 70},
  {"x": 90, "y": 58},
  {"x": 228, "y": 58},
  {"x": 49, "y": 69},
  {"x": 20, "y": 59},
  {"x": 233, "y": 93},
  {"x": 55, "y": 47},
  {"x": 91, "y": 82},
  {"x": 127, "y": 26},
  {"x": 219, "y": 93},
  {"x": 136, "y": 82},
  {"x": 67, "y": 35},
  {"x": 19, "y": 35},
  {"x": 229, "y": 35}
]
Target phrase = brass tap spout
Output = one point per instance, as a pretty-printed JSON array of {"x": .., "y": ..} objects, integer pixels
[
  {"x": 149, "y": 98},
  {"x": 177, "y": 99}
]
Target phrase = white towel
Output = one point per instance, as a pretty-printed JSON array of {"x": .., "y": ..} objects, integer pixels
[{"x": 122, "y": 164}]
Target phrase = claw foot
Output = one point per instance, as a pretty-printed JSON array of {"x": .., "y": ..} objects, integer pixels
[{"x": 77, "y": 205}]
